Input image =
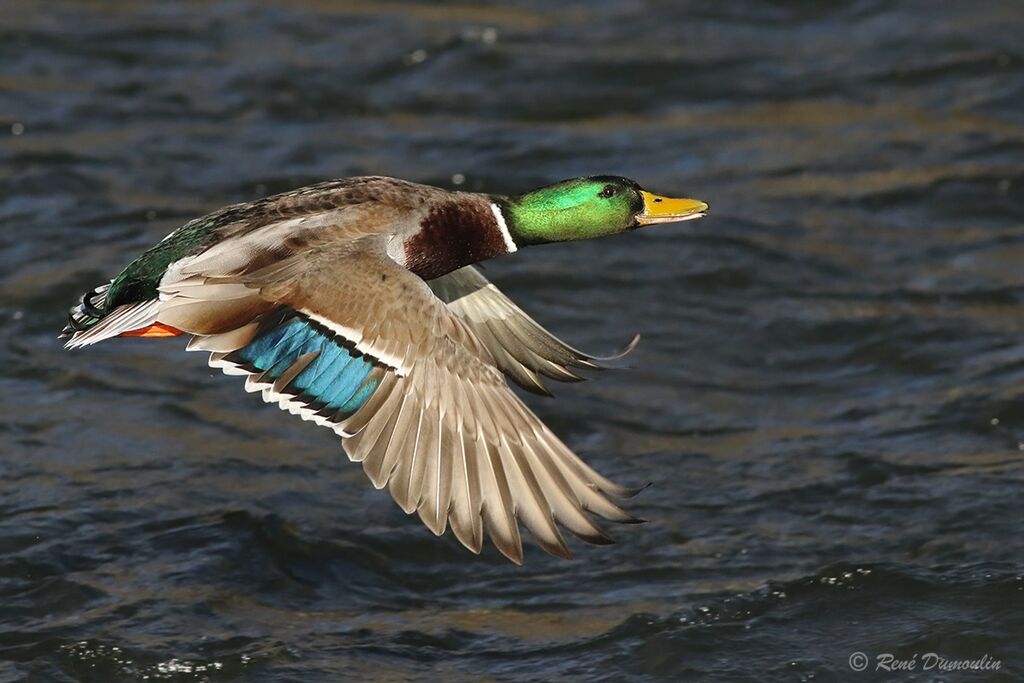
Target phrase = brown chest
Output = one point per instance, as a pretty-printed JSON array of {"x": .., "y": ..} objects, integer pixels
[{"x": 455, "y": 234}]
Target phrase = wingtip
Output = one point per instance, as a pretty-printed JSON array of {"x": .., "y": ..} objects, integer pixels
[
  {"x": 513, "y": 550},
  {"x": 624, "y": 492},
  {"x": 554, "y": 545},
  {"x": 561, "y": 552},
  {"x": 537, "y": 389},
  {"x": 601, "y": 538},
  {"x": 629, "y": 347},
  {"x": 517, "y": 560},
  {"x": 472, "y": 539},
  {"x": 625, "y": 351}
]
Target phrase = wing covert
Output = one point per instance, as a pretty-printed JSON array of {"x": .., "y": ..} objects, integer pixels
[{"x": 442, "y": 430}]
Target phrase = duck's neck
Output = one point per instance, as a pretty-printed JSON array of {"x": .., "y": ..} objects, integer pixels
[{"x": 456, "y": 233}]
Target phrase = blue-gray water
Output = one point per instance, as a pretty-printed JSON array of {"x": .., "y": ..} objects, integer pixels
[{"x": 828, "y": 396}]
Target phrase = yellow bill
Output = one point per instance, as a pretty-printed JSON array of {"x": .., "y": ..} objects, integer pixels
[{"x": 659, "y": 209}]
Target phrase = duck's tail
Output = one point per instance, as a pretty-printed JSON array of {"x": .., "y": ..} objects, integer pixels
[
  {"x": 87, "y": 313},
  {"x": 91, "y": 321}
]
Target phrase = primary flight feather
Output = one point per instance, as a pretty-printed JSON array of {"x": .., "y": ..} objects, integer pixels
[{"x": 354, "y": 304}]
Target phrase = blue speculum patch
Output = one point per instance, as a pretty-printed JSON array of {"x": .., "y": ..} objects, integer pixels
[{"x": 337, "y": 378}]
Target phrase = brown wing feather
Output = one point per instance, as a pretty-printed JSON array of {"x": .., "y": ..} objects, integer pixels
[
  {"x": 520, "y": 346},
  {"x": 443, "y": 432}
]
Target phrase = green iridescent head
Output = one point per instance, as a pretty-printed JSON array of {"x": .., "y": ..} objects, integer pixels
[{"x": 584, "y": 208}]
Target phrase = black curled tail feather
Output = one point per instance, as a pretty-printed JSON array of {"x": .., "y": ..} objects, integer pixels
[{"x": 87, "y": 313}]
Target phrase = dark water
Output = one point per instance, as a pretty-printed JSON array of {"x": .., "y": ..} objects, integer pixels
[{"x": 828, "y": 397}]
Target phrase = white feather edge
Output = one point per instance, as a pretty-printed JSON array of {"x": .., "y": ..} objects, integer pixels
[
  {"x": 122, "y": 319},
  {"x": 503, "y": 227},
  {"x": 285, "y": 402},
  {"x": 355, "y": 337}
]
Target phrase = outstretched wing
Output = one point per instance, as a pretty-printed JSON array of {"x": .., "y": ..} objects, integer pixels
[
  {"x": 357, "y": 343},
  {"x": 521, "y": 348}
]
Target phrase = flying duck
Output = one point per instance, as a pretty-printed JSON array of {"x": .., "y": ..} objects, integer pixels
[{"x": 354, "y": 304}]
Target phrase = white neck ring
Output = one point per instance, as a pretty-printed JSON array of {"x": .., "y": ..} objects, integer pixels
[{"x": 510, "y": 244}]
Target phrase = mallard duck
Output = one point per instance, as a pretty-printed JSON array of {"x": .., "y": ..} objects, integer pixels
[{"x": 354, "y": 304}]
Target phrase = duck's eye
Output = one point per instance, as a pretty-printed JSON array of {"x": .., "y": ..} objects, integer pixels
[{"x": 608, "y": 191}]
